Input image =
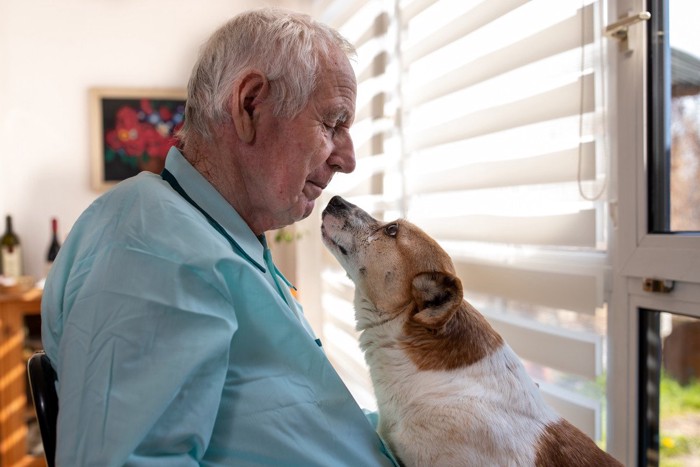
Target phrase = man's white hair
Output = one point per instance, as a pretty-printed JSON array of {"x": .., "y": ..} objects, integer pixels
[{"x": 285, "y": 45}]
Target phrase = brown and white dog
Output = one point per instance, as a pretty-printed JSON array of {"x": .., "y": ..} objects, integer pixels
[{"x": 450, "y": 391}]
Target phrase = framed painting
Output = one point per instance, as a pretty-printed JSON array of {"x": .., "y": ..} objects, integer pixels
[{"x": 132, "y": 130}]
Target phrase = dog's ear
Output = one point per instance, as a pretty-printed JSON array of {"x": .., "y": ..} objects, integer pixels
[{"x": 438, "y": 295}]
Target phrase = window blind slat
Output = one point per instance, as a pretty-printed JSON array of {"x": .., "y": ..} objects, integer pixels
[
  {"x": 571, "y": 352},
  {"x": 367, "y": 129},
  {"x": 411, "y": 9},
  {"x": 582, "y": 412},
  {"x": 365, "y": 65},
  {"x": 559, "y": 166},
  {"x": 557, "y": 290},
  {"x": 339, "y": 14},
  {"x": 472, "y": 20},
  {"x": 557, "y": 103},
  {"x": 571, "y": 230},
  {"x": 559, "y": 38},
  {"x": 337, "y": 282},
  {"x": 341, "y": 314},
  {"x": 368, "y": 165}
]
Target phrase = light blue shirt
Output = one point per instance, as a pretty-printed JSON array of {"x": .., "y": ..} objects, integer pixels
[{"x": 174, "y": 348}]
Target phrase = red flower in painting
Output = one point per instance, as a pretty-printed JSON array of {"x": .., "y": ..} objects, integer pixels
[
  {"x": 157, "y": 145},
  {"x": 146, "y": 106},
  {"x": 165, "y": 113},
  {"x": 144, "y": 133},
  {"x": 127, "y": 133}
]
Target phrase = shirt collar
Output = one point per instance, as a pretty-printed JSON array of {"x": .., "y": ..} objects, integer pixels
[{"x": 205, "y": 195}]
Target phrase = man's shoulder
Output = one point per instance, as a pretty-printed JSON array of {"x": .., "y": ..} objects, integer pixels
[
  {"x": 145, "y": 197},
  {"x": 146, "y": 186},
  {"x": 142, "y": 210}
]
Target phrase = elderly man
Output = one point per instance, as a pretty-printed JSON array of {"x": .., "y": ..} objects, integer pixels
[{"x": 175, "y": 339}]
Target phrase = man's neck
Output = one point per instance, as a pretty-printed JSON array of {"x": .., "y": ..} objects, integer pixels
[{"x": 218, "y": 163}]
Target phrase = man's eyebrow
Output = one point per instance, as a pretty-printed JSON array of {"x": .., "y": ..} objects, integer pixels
[
  {"x": 343, "y": 116},
  {"x": 338, "y": 114}
]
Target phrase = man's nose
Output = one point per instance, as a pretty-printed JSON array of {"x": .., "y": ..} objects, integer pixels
[{"x": 342, "y": 158}]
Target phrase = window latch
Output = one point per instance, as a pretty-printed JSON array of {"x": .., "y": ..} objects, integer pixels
[{"x": 658, "y": 285}]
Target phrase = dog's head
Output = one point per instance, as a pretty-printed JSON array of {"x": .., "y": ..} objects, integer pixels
[{"x": 394, "y": 265}]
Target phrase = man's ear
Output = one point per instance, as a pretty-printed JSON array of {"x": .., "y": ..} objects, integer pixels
[
  {"x": 438, "y": 296},
  {"x": 248, "y": 94}
]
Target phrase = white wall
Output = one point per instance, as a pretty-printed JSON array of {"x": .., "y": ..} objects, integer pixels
[{"x": 51, "y": 53}]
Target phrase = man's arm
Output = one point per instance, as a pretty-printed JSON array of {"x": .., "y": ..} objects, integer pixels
[{"x": 141, "y": 363}]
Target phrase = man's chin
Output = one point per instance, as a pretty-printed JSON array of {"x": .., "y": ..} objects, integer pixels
[
  {"x": 302, "y": 211},
  {"x": 308, "y": 209}
]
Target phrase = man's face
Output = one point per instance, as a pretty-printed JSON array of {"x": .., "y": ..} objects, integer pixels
[{"x": 301, "y": 155}]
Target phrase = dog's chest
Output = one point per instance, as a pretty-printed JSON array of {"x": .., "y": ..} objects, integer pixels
[{"x": 487, "y": 413}]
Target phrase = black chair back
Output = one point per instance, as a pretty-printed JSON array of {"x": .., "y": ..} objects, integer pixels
[{"x": 42, "y": 383}]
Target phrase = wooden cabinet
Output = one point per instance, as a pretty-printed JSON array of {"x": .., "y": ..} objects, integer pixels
[{"x": 13, "y": 386}]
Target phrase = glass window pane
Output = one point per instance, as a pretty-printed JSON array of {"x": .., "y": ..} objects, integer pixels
[
  {"x": 685, "y": 115},
  {"x": 675, "y": 120},
  {"x": 670, "y": 389}
]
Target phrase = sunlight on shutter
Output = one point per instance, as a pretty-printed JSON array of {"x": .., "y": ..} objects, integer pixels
[{"x": 480, "y": 121}]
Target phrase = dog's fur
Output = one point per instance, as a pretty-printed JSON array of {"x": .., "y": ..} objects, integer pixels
[{"x": 450, "y": 391}]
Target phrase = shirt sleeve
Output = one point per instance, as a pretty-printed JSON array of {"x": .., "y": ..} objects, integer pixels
[{"x": 141, "y": 362}]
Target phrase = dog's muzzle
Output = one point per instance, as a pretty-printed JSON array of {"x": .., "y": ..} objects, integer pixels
[{"x": 337, "y": 206}]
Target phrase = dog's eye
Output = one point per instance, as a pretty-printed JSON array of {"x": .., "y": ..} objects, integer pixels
[{"x": 391, "y": 229}]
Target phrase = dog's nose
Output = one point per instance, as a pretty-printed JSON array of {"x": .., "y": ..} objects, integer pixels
[
  {"x": 338, "y": 202},
  {"x": 337, "y": 205}
]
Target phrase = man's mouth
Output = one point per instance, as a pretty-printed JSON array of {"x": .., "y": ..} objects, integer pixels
[{"x": 313, "y": 190}]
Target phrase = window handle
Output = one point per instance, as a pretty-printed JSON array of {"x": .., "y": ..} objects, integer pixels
[{"x": 618, "y": 30}]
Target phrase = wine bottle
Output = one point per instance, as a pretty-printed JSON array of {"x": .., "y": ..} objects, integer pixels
[
  {"x": 10, "y": 251},
  {"x": 54, "y": 246}
]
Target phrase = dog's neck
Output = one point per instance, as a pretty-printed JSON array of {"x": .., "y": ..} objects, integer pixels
[
  {"x": 464, "y": 340},
  {"x": 364, "y": 305},
  {"x": 444, "y": 348},
  {"x": 396, "y": 347}
]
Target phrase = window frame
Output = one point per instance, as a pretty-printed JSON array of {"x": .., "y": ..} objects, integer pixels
[{"x": 636, "y": 252}]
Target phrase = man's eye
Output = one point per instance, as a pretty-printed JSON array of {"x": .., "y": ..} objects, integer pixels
[
  {"x": 391, "y": 229},
  {"x": 330, "y": 128}
]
